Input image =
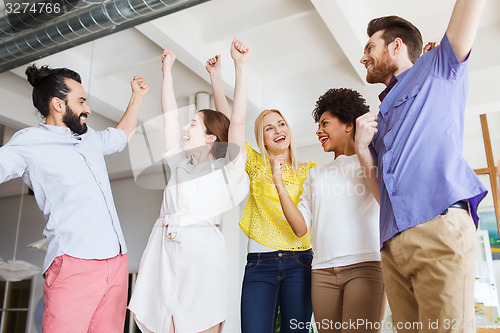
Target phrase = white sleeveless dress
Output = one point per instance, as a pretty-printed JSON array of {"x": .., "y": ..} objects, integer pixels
[{"x": 183, "y": 270}]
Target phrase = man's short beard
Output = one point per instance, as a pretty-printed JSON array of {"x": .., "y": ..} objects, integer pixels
[
  {"x": 382, "y": 71},
  {"x": 72, "y": 120}
]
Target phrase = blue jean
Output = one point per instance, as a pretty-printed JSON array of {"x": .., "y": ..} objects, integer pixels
[{"x": 280, "y": 278}]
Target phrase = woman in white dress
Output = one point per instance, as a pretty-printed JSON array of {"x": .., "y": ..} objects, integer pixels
[{"x": 182, "y": 284}]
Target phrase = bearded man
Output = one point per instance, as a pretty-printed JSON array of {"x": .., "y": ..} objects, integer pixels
[
  {"x": 428, "y": 193},
  {"x": 62, "y": 161}
]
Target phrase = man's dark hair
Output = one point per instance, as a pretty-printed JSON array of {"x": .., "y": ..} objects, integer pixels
[
  {"x": 394, "y": 27},
  {"x": 48, "y": 83},
  {"x": 345, "y": 104}
]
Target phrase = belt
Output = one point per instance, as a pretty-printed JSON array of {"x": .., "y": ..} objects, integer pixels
[
  {"x": 459, "y": 204},
  {"x": 174, "y": 222}
]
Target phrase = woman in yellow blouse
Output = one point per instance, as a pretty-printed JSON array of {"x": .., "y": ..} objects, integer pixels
[{"x": 278, "y": 269}]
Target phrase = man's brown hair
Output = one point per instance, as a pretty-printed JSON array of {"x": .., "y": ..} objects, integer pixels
[{"x": 394, "y": 27}]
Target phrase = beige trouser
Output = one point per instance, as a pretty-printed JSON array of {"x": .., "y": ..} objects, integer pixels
[
  {"x": 429, "y": 272},
  {"x": 348, "y": 298}
]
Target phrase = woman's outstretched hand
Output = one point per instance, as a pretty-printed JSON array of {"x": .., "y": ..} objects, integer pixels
[
  {"x": 167, "y": 59},
  {"x": 240, "y": 52}
]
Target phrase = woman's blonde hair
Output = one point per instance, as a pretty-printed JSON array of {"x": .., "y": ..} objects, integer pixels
[{"x": 259, "y": 137}]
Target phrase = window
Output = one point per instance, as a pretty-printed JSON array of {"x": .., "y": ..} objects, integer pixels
[{"x": 14, "y": 302}]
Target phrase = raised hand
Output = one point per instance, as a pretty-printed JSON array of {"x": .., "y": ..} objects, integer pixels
[
  {"x": 240, "y": 52},
  {"x": 213, "y": 65},
  {"x": 128, "y": 123},
  {"x": 366, "y": 128},
  {"x": 139, "y": 86},
  {"x": 168, "y": 101},
  {"x": 167, "y": 59},
  {"x": 429, "y": 46},
  {"x": 463, "y": 26}
]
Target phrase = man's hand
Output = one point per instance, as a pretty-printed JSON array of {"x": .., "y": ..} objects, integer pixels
[
  {"x": 366, "y": 128},
  {"x": 430, "y": 46},
  {"x": 128, "y": 123},
  {"x": 139, "y": 86}
]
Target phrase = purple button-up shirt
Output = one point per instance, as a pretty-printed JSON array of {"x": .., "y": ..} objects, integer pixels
[{"x": 419, "y": 144}]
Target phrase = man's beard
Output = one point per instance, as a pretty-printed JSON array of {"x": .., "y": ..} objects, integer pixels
[
  {"x": 382, "y": 71},
  {"x": 72, "y": 120}
]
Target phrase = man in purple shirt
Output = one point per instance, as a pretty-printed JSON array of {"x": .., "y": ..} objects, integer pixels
[{"x": 428, "y": 194}]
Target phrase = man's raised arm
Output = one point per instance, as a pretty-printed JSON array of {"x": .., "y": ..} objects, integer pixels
[
  {"x": 128, "y": 123},
  {"x": 463, "y": 26}
]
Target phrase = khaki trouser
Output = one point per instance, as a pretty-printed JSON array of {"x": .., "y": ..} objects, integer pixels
[
  {"x": 429, "y": 272},
  {"x": 349, "y": 298}
]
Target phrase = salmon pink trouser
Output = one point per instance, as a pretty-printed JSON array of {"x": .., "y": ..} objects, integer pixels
[{"x": 83, "y": 295}]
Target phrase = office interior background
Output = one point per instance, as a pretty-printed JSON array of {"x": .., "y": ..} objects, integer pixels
[{"x": 301, "y": 48}]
